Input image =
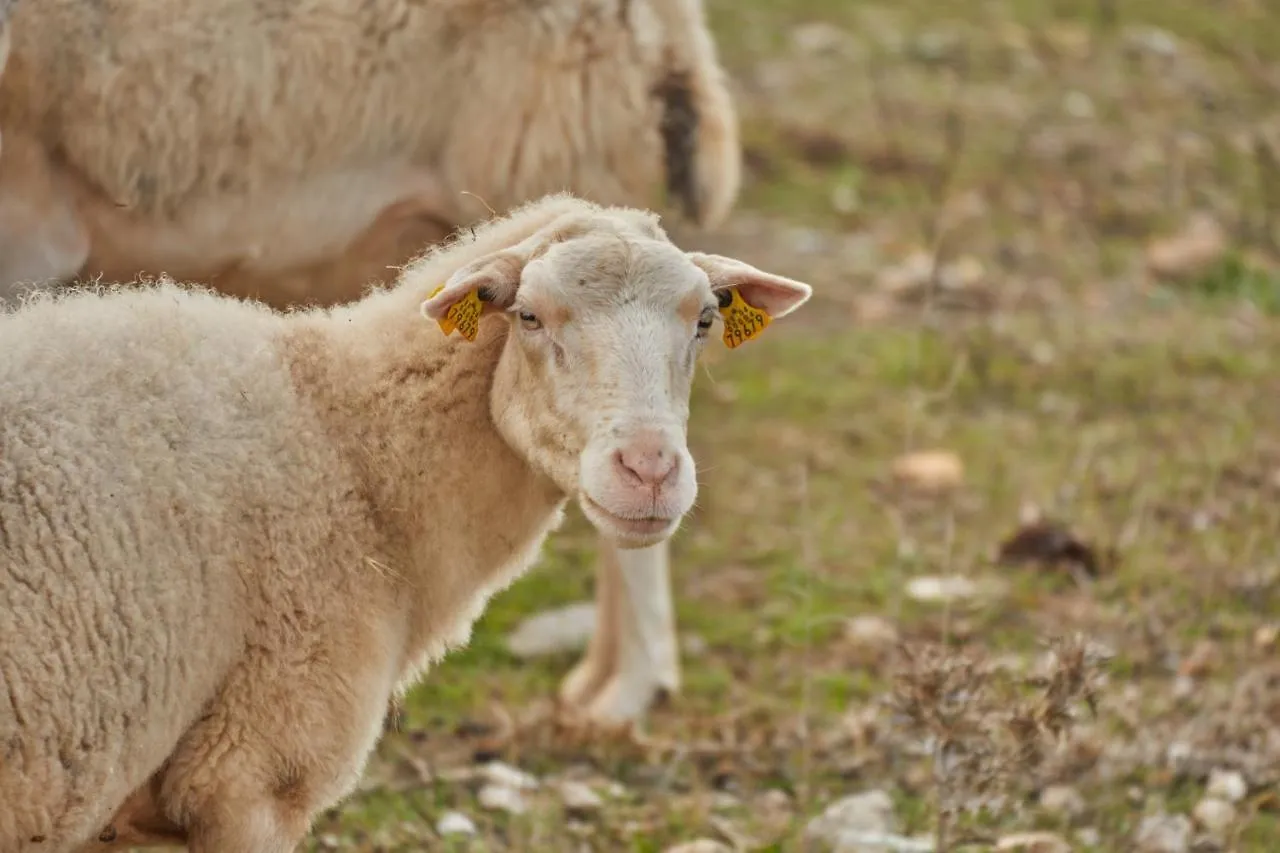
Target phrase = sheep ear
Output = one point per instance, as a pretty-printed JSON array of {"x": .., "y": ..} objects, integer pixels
[
  {"x": 750, "y": 298},
  {"x": 486, "y": 285}
]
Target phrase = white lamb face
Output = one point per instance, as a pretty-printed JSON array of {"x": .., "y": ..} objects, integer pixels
[{"x": 607, "y": 320}]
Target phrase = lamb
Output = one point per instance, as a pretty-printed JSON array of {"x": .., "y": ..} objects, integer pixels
[
  {"x": 229, "y": 535},
  {"x": 270, "y": 149}
]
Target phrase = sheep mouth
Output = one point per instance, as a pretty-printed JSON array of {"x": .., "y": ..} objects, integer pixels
[{"x": 638, "y": 527}]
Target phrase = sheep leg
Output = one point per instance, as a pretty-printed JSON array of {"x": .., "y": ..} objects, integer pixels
[
  {"x": 633, "y": 658},
  {"x": 599, "y": 664},
  {"x": 288, "y": 736}
]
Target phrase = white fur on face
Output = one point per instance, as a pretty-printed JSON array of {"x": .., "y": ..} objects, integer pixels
[{"x": 617, "y": 334}]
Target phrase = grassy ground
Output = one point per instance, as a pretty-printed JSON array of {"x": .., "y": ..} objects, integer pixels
[{"x": 978, "y": 190}]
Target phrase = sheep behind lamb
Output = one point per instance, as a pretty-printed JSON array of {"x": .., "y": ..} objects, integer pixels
[
  {"x": 299, "y": 152},
  {"x": 291, "y": 151},
  {"x": 228, "y": 536}
]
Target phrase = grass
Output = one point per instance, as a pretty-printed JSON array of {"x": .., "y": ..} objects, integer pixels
[{"x": 1049, "y": 142}]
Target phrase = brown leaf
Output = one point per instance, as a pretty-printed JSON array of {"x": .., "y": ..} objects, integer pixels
[{"x": 1049, "y": 543}]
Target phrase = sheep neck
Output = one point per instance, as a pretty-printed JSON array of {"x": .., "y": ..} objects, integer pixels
[{"x": 459, "y": 513}]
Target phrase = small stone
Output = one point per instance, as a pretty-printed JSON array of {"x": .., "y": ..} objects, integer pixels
[
  {"x": 1216, "y": 816},
  {"x": 930, "y": 470},
  {"x": 500, "y": 798},
  {"x": 1063, "y": 800},
  {"x": 942, "y": 588},
  {"x": 579, "y": 798},
  {"x": 565, "y": 629},
  {"x": 1034, "y": 842},
  {"x": 1089, "y": 836},
  {"x": 1265, "y": 637},
  {"x": 1079, "y": 105},
  {"x": 1177, "y": 754},
  {"x": 1154, "y": 41},
  {"x": 701, "y": 845},
  {"x": 870, "y": 811},
  {"x": 1226, "y": 785},
  {"x": 329, "y": 841},
  {"x": 871, "y": 631},
  {"x": 1201, "y": 243},
  {"x": 455, "y": 823},
  {"x": 1164, "y": 833},
  {"x": 498, "y": 773}
]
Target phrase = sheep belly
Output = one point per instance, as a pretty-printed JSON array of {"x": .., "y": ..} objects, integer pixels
[{"x": 121, "y": 461}]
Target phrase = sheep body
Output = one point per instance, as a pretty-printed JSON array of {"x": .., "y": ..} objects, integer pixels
[{"x": 264, "y": 136}]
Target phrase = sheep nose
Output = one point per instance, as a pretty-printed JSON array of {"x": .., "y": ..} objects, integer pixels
[{"x": 646, "y": 460}]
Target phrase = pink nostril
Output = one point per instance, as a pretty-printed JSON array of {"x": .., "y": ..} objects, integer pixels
[{"x": 647, "y": 463}]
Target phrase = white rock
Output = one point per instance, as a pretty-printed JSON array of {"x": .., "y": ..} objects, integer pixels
[
  {"x": 872, "y": 631},
  {"x": 1226, "y": 785},
  {"x": 455, "y": 823},
  {"x": 1153, "y": 40},
  {"x": 1034, "y": 842},
  {"x": 565, "y": 629},
  {"x": 1164, "y": 833},
  {"x": 578, "y": 797},
  {"x": 868, "y": 811},
  {"x": 500, "y": 798},
  {"x": 941, "y": 588},
  {"x": 1079, "y": 105},
  {"x": 499, "y": 773},
  {"x": 863, "y": 823},
  {"x": 702, "y": 845},
  {"x": 1215, "y": 815},
  {"x": 329, "y": 841},
  {"x": 1062, "y": 799},
  {"x": 1089, "y": 836}
]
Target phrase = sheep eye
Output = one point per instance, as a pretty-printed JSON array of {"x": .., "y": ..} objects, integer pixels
[
  {"x": 530, "y": 321},
  {"x": 705, "y": 321}
]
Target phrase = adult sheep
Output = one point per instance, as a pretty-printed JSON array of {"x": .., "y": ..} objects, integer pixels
[
  {"x": 229, "y": 535},
  {"x": 297, "y": 152}
]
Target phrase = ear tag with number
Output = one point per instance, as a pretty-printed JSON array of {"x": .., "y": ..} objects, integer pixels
[
  {"x": 742, "y": 322},
  {"x": 463, "y": 315}
]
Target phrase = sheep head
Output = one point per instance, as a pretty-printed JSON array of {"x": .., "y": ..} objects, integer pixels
[{"x": 607, "y": 318}]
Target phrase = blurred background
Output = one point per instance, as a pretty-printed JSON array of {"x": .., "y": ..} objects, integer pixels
[{"x": 1019, "y": 456}]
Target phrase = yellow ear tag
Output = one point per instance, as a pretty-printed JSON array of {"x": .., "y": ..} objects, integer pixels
[
  {"x": 463, "y": 315},
  {"x": 742, "y": 322}
]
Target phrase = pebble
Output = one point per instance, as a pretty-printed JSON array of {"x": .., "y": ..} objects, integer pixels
[
  {"x": 1034, "y": 842},
  {"x": 871, "y": 631},
  {"x": 1215, "y": 815},
  {"x": 1226, "y": 785},
  {"x": 502, "y": 799},
  {"x": 1163, "y": 833},
  {"x": 455, "y": 823},
  {"x": 863, "y": 822},
  {"x": 565, "y": 629},
  {"x": 1063, "y": 800},
  {"x": 579, "y": 797},
  {"x": 701, "y": 845},
  {"x": 941, "y": 588},
  {"x": 500, "y": 773}
]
